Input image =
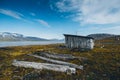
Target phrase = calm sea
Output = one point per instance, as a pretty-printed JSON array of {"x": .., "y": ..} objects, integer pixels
[{"x": 24, "y": 43}]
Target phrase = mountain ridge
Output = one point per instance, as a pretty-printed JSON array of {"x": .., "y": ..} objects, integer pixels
[
  {"x": 7, "y": 36},
  {"x": 99, "y": 36}
]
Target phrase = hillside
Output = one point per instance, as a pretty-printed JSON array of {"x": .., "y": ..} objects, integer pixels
[
  {"x": 7, "y": 36},
  {"x": 101, "y": 36}
]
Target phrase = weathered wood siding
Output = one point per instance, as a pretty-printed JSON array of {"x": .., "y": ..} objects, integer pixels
[{"x": 79, "y": 42}]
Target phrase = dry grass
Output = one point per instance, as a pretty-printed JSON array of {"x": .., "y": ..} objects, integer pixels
[{"x": 103, "y": 62}]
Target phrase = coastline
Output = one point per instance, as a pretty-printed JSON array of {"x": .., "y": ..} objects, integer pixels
[{"x": 27, "y": 43}]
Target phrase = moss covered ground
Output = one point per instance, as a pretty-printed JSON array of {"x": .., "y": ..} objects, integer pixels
[{"x": 103, "y": 62}]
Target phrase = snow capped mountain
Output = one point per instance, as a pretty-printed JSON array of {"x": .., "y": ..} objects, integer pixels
[
  {"x": 17, "y": 35},
  {"x": 7, "y": 36}
]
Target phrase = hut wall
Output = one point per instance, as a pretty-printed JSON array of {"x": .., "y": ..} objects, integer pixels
[{"x": 78, "y": 42}]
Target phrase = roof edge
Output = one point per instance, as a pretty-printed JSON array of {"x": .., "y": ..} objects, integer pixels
[{"x": 78, "y": 36}]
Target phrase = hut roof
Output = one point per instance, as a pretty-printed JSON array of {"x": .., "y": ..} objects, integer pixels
[{"x": 78, "y": 36}]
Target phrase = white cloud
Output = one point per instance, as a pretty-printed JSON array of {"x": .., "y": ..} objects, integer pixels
[
  {"x": 113, "y": 28},
  {"x": 68, "y": 5},
  {"x": 44, "y": 23},
  {"x": 16, "y": 15},
  {"x": 11, "y": 13},
  {"x": 91, "y": 11},
  {"x": 101, "y": 11},
  {"x": 33, "y": 14},
  {"x": 110, "y": 29}
]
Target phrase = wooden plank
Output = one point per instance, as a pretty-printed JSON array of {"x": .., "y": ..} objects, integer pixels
[
  {"x": 47, "y": 66},
  {"x": 57, "y": 56},
  {"x": 58, "y": 62}
]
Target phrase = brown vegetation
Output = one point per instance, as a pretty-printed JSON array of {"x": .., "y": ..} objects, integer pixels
[{"x": 103, "y": 62}]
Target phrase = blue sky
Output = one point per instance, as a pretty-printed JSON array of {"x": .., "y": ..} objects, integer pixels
[{"x": 52, "y": 18}]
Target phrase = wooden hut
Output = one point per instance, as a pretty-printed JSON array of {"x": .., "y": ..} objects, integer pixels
[{"x": 79, "y": 42}]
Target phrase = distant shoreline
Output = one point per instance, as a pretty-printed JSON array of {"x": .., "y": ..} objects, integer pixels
[{"x": 27, "y": 43}]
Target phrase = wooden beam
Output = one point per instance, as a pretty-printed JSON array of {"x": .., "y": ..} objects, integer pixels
[
  {"x": 47, "y": 66},
  {"x": 58, "y": 62}
]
